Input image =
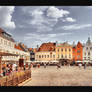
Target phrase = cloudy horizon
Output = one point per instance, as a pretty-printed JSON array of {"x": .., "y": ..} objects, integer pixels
[{"x": 34, "y": 25}]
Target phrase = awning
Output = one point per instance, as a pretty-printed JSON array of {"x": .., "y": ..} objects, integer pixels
[
  {"x": 7, "y": 54},
  {"x": 54, "y": 61},
  {"x": 29, "y": 61}
]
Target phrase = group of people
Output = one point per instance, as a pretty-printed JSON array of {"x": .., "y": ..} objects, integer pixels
[
  {"x": 85, "y": 65},
  {"x": 34, "y": 65},
  {"x": 8, "y": 69}
]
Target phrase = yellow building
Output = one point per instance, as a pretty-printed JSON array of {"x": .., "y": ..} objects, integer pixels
[{"x": 63, "y": 51}]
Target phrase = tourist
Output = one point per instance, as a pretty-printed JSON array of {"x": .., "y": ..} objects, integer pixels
[
  {"x": 38, "y": 65},
  {"x": 80, "y": 65},
  {"x": 44, "y": 65},
  {"x": 58, "y": 66},
  {"x": 84, "y": 65},
  {"x": 4, "y": 71},
  {"x": 24, "y": 67}
]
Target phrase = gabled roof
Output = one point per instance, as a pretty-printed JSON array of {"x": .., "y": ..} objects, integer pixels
[
  {"x": 21, "y": 46},
  {"x": 5, "y": 35},
  {"x": 47, "y": 47},
  {"x": 65, "y": 44}
]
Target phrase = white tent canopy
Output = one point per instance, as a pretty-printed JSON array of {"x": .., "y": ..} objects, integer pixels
[
  {"x": 54, "y": 61},
  {"x": 79, "y": 61},
  {"x": 83, "y": 61},
  {"x": 86, "y": 61}
]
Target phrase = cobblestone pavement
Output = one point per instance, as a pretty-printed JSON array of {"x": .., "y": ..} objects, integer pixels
[{"x": 65, "y": 76}]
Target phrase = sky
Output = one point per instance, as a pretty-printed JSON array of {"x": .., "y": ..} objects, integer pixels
[{"x": 34, "y": 25}]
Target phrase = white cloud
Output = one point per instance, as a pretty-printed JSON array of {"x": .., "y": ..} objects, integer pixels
[
  {"x": 56, "y": 13},
  {"x": 6, "y": 17},
  {"x": 76, "y": 26},
  {"x": 69, "y": 19},
  {"x": 41, "y": 38},
  {"x": 44, "y": 36}
]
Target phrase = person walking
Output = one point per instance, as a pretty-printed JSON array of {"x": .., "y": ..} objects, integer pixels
[
  {"x": 4, "y": 71},
  {"x": 38, "y": 65},
  {"x": 85, "y": 66},
  {"x": 80, "y": 65},
  {"x": 58, "y": 66},
  {"x": 44, "y": 65}
]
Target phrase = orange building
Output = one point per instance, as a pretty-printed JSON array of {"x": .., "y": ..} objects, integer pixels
[{"x": 78, "y": 52}]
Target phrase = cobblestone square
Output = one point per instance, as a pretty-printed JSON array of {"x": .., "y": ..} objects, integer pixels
[{"x": 64, "y": 76}]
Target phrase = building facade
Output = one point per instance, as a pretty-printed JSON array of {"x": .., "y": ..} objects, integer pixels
[
  {"x": 46, "y": 52},
  {"x": 8, "y": 45},
  {"x": 32, "y": 53},
  {"x": 64, "y": 51},
  {"x": 87, "y": 50},
  {"x": 78, "y": 52}
]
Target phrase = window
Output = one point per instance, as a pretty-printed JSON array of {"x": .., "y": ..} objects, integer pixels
[
  {"x": 88, "y": 57},
  {"x": 69, "y": 50},
  {"x": 86, "y": 48},
  {"x": 48, "y": 56},
  {"x": 42, "y": 56},
  {"x": 58, "y": 50},
  {"x": 65, "y": 56},
  {"x": 69, "y": 55},
  {"x": 53, "y": 56},
  {"x": 61, "y": 49},
  {"x": 58, "y": 56},
  {"x": 90, "y": 48},
  {"x": 39, "y": 56},
  {"x": 1, "y": 40},
  {"x": 4, "y": 42},
  {"x": 45, "y": 56},
  {"x": 78, "y": 56},
  {"x": 65, "y": 50},
  {"x": 88, "y": 53},
  {"x": 85, "y": 53},
  {"x": 78, "y": 51},
  {"x": 84, "y": 58},
  {"x": 61, "y": 56}
]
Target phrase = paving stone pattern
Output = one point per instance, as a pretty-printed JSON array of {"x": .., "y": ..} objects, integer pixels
[{"x": 65, "y": 76}]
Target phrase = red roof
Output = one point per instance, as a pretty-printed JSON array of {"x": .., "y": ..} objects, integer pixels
[
  {"x": 18, "y": 47},
  {"x": 47, "y": 47}
]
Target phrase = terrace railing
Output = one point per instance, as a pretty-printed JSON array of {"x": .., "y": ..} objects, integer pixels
[{"x": 15, "y": 78}]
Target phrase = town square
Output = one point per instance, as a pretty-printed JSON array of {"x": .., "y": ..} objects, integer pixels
[{"x": 45, "y": 46}]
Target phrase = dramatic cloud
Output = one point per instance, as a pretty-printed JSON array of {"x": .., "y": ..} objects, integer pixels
[
  {"x": 76, "y": 26},
  {"x": 6, "y": 17},
  {"x": 39, "y": 24},
  {"x": 56, "y": 13}
]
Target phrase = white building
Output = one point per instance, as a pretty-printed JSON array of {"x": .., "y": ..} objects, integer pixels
[
  {"x": 87, "y": 51},
  {"x": 7, "y": 45}
]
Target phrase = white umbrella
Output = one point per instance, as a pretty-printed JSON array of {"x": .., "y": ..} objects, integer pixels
[
  {"x": 79, "y": 61},
  {"x": 86, "y": 61}
]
